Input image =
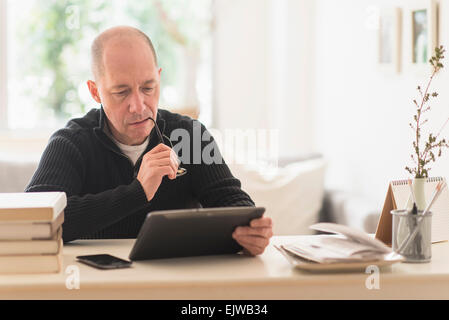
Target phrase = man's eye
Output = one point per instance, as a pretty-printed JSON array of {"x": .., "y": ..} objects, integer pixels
[
  {"x": 147, "y": 89},
  {"x": 121, "y": 93}
]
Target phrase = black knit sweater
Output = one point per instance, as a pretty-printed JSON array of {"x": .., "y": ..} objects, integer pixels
[{"x": 104, "y": 198}]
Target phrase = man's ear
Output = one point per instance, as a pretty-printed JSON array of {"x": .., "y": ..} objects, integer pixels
[{"x": 94, "y": 91}]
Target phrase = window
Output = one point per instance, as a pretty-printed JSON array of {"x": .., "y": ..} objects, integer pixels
[{"x": 48, "y": 55}]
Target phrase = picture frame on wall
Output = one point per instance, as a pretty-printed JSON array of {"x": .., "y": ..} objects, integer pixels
[
  {"x": 390, "y": 39},
  {"x": 422, "y": 26}
]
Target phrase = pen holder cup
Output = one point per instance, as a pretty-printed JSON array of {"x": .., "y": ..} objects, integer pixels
[{"x": 418, "y": 249}]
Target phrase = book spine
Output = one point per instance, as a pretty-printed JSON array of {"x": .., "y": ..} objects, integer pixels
[{"x": 26, "y": 231}]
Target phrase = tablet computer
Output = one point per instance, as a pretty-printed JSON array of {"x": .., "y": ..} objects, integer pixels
[{"x": 191, "y": 232}]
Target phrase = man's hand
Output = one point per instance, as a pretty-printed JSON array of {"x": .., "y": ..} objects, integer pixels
[
  {"x": 255, "y": 238},
  {"x": 158, "y": 162}
]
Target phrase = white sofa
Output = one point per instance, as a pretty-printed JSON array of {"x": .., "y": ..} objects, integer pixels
[
  {"x": 292, "y": 194},
  {"x": 351, "y": 210},
  {"x": 16, "y": 171}
]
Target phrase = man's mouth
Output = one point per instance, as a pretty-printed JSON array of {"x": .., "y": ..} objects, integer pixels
[{"x": 139, "y": 122}]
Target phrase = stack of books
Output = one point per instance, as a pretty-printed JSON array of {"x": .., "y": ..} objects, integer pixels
[{"x": 31, "y": 232}]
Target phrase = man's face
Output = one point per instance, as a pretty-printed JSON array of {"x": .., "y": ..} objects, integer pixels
[{"x": 129, "y": 89}]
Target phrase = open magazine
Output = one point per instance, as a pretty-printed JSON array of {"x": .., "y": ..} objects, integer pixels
[{"x": 346, "y": 245}]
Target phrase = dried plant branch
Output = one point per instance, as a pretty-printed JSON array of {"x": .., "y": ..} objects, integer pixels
[{"x": 424, "y": 157}]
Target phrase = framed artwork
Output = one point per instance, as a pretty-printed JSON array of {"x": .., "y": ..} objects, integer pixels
[
  {"x": 390, "y": 39},
  {"x": 423, "y": 30}
]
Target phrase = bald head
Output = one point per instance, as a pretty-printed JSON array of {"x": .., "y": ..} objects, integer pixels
[{"x": 115, "y": 33}]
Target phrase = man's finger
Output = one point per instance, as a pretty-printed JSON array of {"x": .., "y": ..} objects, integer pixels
[
  {"x": 160, "y": 147},
  {"x": 261, "y": 222},
  {"x": 248, "y": 245},
  {"x": 160, "y": 162},
  {"x": 175, "y": 158},
  {"x": 174, "y": 166},
  {"x": 253, "y": 240},
  {"x": 262, "y": 232},
  {"x": 157, "y": 155},
  {"x": 251, "y": 249}
]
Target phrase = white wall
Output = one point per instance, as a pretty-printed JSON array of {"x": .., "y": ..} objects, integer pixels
[
  {"x": 362, "y": 114},
  {"x": 3, "y": 65},
  {"x": 309, "y": 68},
  {"x": 264, "y": 69},
  {"x": 240, "y": 64}
]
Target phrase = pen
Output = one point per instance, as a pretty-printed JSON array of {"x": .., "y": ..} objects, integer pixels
[{"x": 415, "y": 208}]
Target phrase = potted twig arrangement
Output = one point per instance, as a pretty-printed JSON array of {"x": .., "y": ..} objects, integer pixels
[{"x": 425, "y": 151}]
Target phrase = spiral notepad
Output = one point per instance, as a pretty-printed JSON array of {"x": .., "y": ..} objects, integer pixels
[{"x": 398, "y": 197}]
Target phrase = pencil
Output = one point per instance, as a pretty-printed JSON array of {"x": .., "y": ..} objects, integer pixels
[{"x": 411, "y": 190}]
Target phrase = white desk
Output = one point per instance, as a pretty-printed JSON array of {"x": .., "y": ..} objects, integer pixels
[{"x": 268, "y": 276}]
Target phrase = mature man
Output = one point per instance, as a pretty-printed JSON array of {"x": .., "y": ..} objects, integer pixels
[{"x": 111, "y": 162}]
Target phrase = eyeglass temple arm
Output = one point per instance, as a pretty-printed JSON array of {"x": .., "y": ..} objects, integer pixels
[
  {"x": 159, "y": 134},
  {"x": 181, "y": 171}
]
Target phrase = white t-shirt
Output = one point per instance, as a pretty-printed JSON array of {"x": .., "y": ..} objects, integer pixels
[{"x": 132, "y": 152}]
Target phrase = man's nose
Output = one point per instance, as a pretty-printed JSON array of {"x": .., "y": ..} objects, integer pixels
[{"x": 137, "y": 105}]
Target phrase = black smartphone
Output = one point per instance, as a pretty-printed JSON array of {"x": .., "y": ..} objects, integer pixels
[{"x": 104, "y": 261}]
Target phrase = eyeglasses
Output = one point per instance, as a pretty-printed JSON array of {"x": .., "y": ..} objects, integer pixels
[{"x": 181, "y": 171}]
